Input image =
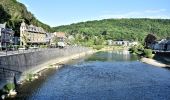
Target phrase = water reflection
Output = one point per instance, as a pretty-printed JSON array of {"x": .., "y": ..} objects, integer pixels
[{"x": 113, "y": 56}]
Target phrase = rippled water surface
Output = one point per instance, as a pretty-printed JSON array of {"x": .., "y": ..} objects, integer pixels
[{"x": 102, "y": 76}]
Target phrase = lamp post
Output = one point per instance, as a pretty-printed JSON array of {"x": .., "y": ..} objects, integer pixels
[{"x": 5, "y": 42}]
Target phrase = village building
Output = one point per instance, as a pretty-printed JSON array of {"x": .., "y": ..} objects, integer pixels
[
  {"x": 60, "y": 35},
  {"x": 162, "y": 45},
  {"x": 32, "y": 35},
  {"x": 6, "y": 37},
  {"x": 61, "y": 39},
  {"x": 122, "y": 43},
  {"x": 50, "y": 38}
]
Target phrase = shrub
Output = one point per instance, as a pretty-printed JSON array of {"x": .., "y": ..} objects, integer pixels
[
  {"x": 148, "y": 53},
  {"x": 133, "y": 50},
  {"x": 9, "y": 86},
  {"x": 30, "y": 77},
  {"x": 43, "y": 46},
  {"x": 98, "y": 47}
]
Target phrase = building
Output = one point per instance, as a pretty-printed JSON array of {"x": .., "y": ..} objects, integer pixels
[
  {"x": 121, "y": 42},
  {"x": 32, "y": 35},
  {"x": 6, "y": 36},
  {"x": 161, "y": 45},
  {"x": 60, "y": 35},
  {"x": 61, "y": 39},
  {"x": 50, "y": 38}
]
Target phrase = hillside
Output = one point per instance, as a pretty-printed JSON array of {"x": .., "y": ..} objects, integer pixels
[
  {"x": 14, "y": 12},
  {"x": 118, "y": 29}
]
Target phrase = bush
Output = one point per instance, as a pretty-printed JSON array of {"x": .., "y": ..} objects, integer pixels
[
  {"x": 30, "y": 77},
  {"x": 133, "y": 50},
  {"x": 9, "y": 86},
  {"x": 148, "y": 53},
  {"x": 98, "y": 47},
  {"x": 43, "y": 46}
]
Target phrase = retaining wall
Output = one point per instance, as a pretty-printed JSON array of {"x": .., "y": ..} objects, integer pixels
[{"x": 35, "y": 61}]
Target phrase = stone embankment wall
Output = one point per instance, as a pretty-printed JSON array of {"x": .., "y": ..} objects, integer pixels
[{"x": 33, "y": 62}]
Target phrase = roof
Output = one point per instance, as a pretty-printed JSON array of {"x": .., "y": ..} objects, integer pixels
[
  {"x": 8, "y": 31},
  {"x": 168, "y": 41},
  {"x": 33, "y": 28}
]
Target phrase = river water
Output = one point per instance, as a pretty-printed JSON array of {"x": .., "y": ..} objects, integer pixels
[{"x": 114, "y": 75}]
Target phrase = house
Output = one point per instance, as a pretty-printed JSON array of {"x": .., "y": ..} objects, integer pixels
[
  {"x": 32, "y": 35},
  {"x": 121, "y": 42},
  {"x": 168, "y": 45},
  {"x": 161, "y": 45},
  {"x": 6, "y": 36},
  {"x": 61, "y": 39},
  {"x": 60, "y": 35}
]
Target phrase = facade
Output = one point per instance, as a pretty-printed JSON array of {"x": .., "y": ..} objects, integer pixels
[
  {"x": 32, "y": 35},
  {"x": 6, "y": 36},
  {"x": 60, "y": 35},
  {"x": 50, "y": 38},
  {"x": 61, "y": 38},
  {"x": 121, "y": 42}
]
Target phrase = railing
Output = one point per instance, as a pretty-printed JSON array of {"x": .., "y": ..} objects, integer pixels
[{"x": 21, "y": 51}]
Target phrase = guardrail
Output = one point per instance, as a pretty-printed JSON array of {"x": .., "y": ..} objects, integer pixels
[{"x": 21, "y": 51}]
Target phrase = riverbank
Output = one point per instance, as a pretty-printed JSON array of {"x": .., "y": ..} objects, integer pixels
[
  {"x": 154, "y": 62},
  {"x": 110, "y": 48}
]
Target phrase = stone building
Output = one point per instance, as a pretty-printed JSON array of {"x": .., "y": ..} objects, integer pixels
[
  {"x": 31, "y": 35},
  {"x": 6, "y": 36},
  {"x": 60, "y": 35}
]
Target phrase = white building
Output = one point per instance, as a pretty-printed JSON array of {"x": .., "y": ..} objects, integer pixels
[
  {"x": 161, "y": 45},
  {"x": 122, "y": 42}
]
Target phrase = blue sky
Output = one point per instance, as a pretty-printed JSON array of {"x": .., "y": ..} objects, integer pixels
[{"x": 63, "y": 12}]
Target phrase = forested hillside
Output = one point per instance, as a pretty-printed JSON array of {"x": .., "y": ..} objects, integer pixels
[
  {"x": 119, "y": 29},
  {"x": 14, "y": 12},
  {"x": 92, "y": 32}
]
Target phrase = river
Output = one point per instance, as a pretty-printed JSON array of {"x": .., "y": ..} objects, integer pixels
[{"x": 114, "y": 75}]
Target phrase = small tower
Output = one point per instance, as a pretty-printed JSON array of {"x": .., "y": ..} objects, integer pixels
[{"x": 23, "y": 29}]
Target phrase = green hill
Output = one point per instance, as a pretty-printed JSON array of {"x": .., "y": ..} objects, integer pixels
[
  {"x": 14, "y": 12},
  {"x": 118, "y": 29},
  {"x": 92, "y": 32}
]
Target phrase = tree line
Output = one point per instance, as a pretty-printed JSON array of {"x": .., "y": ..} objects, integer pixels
[{"x": 118, "y": 29}]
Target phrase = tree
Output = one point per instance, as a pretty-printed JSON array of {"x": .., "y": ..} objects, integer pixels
[
  {"x": 4, "y": 16},
  {"x": 150, "y": 39}
]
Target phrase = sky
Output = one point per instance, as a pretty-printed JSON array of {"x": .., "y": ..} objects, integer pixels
[{"x": 64, "y": 12}]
